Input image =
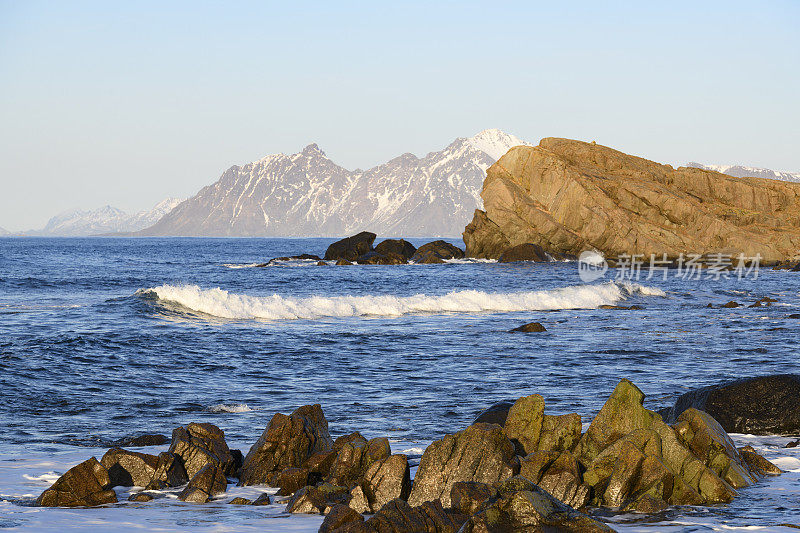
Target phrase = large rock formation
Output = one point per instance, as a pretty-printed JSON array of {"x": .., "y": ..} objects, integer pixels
[{"x": 569, "y": 196}]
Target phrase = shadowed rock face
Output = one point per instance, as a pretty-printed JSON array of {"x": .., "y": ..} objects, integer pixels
[
  {"x": 762, "y": 406},
  {"x": 569, "y": 196},
  {"x": 84, "y": 485}
]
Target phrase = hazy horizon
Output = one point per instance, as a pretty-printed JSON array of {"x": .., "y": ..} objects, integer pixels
[{"x": 126, "y": 105}]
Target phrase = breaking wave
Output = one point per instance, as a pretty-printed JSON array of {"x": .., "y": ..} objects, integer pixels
[
  {"x": 223, "y": 304},
  {"x": 230, "y": 408}
]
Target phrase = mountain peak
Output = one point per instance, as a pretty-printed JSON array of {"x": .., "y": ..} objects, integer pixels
[
  {"x": 495, "y": 142},
  {"x": 312, "y": 149}
]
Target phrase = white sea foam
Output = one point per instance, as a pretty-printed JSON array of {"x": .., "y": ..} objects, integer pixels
[
  {"x": 221, "y": 303},
  {"x": 230, "y": 408},
  {"x": 241, "y": 265}
]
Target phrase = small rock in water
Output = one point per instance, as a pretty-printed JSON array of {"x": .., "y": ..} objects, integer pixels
[
  {"x": 533, "y": 327},
  {"x": 342, "y": 262},
  {"x": 794, "y": 316},
  {"x": 240, "y": 501},
  {"x": 793, "y": 444},
  {"x": 731, "y": 305},
  {"x": 322, "y": 263},
  {"x": 264, "y": 499},
  {"x": 140, "y": 497},
  {"x": 399, "y": 247},
  {"x": 142, "y": 440}
]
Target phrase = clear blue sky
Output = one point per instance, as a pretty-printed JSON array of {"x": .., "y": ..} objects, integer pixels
[{"x": 125, "y": 104}]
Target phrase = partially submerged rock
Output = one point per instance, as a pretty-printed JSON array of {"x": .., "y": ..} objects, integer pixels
[
  {"x": 399, "y": 247},
  {"x": 350, "y": 248},
  {"x": 532, "y": 327},
  {"x": 438, "y": 250},
  {"x": 208, "y": 482},
  {"x": 524, "y": 252},
  {"x": 83, "y": 485},
  {"x": 765, "y": 405}
]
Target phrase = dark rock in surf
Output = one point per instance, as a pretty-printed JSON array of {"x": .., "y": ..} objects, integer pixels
[
  {"x": 209, "y": 481},
  {"x": 399, "y": 247},
  {"x": 200, "y": 444},
  {"x": 495, "y": 414},
  {"x": 301, "y": 257},
  {"x": 757, "y": 463},
  {"x": 524, "y": 252},
  {"x": 430, "y": 258},
  {"x": 354, "y": 457},
  {"x": 317, "y": 500},
  {"x": 129, "y": 469},
  {"x": 793, "y": 444},
  {"x": 350, "y": 248},
  {"x": 141, "y": 497},
  {"x": 731, "y": 305},
  {"x": 375, "y": 258},
  {"x": 765, "y": 405},
  {"x": 290, "y": 480},
  {"x": 470, "y": 497},
  {"x": 340, "y": 516},
  {"x": 533, "y": 327},
  {"x": 240, "y": 501},
  {"x": 439, "y": 249},
  {"x": 398, "y": 516},
  {"x": 83, "y": 485},
  {"x": 287, "y": 442},
  {"x": 170, "y": 472}
]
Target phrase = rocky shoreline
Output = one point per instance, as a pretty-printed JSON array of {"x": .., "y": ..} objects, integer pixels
[{"x": 515, "y": 468}]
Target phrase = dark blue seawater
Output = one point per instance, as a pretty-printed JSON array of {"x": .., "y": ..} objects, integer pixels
[{"x": 103, "y": 338}]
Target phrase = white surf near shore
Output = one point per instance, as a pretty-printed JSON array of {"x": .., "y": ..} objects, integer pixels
[{"x": 223, "y": 304}]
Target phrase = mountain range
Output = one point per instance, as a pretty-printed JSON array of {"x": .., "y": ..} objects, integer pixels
[
  {"x": 739, "y": 171},
  {"x": 104, "y": 220},
  {"x": 307, "y": 194}
]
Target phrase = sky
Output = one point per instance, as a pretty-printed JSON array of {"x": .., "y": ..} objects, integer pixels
[{"x": 129, "y": 103}]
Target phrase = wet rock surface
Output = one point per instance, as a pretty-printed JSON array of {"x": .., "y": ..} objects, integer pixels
[
  {"x": 350, "y": 248},
  {"x": 532, "y": 327},
  {"x": 437, "y": 250},
  {"x": 128, "y": 469}
]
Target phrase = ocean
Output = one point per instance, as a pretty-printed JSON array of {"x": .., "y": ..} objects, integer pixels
[{"x": 102, "y": 338}]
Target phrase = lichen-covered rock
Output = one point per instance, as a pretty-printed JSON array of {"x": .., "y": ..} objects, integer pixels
[
  {"x": 398, "y": 516},
  {"x": 560, "y": 433},
  {"x": 290, "y": 480},
  {"x": 83, "y": 485},
  {"x": 563, "y": 480},
  {"x": 354, "y": 457},
  {"x": 470, "y": 497},
  {"x": 569, "y": 196},
  {"x": 387, "y": 479},
  {"x": 169, "y": 472},
  {"x": 481, "y": 453},
  {"x": 340, "y": 516},
  {"x": 200, "y": 444},
  {"x": 140, "y": 497},
  {"x": 317, "y": 500},
  {"x": 210, "y": 481},
  {"x": 128, "y": 469},
  {"x": 524, "y": 423},
  {"x": 757, "y": 463},
  {"x": 287, "y": 442},
  {"x": 240, "y": 501},
  {"x": 524, "y": 506}
]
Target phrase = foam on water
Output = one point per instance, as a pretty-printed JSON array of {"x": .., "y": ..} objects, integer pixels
[
  {"x": 221, "y": 303},
  {"x": 230, "y": 408}
]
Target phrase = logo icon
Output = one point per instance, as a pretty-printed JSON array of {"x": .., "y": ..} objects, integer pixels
[{"x": 591, "y": 266}]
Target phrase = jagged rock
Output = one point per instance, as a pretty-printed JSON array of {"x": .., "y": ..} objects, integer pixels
[
  {"x": 317, "y": 500},
  {"x": 200, "y": 444},
  {"x": 495, "y": 414},
  {"x": 385, "y": 480},
  {"x": 359, "y": 501},
  {"x": 318, "y": 465},
  {"x": 563, "y": 480},
  {"x": 758, "y": 464},
  {"x": 400, "y": 247},
  {"x": 155, "y": 439},
  {"x": 622, "y": 413},
  {"x": 354, "y": 458},
  {"x": 524, "y": 506},
  {"x": 440, "y": 249},
  {"x": 470, "y": 497},
  {"x": 533, "y": 327},
  {"x": 351, "y": 247},
  {"x": 793, "y": 444},
  {"x": 208, "y": 482},
  {"x": 140, "y": 497},
  {"x": 524, "y": 423},
  {"x": 398, "y": 516},
  {"x": 240, "y": 501},
  {"x": 481, "y": 453},
  {"x": 569, "y": 196},
  {"x": 524, "y": 252},
  {"x": 290, "y": 480},
  {"x": 83, "y": 485},
  {"x": 287, "y": 442},
  {"x": 128, "y": 469},
  {"x": 340, "y": 516},
  {"x": 761, "y": 406},
  {"x": 169, "y": 472},
  {"x": 560, "y": 433},
  {"x": 263, "y": 499}
]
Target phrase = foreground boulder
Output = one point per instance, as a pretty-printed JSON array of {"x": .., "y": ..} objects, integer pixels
[
  {"x": 200, "y": 444},
  {"x": 350, "y": 248},
  {"x": 481, "y": 453},
  {"x": 522, "y": 505},
  {"x": 397, "y": 516},
  {"x": 287, "y": 442},
  {"x": 210, "y": 481},
  {"x": 568, "y": 196},
  {"x": 84, "y": 485},
  {"x": 437, "y": 251},
  {"x": 765, "y": 405},
  {"x": 129, "y": 469}
]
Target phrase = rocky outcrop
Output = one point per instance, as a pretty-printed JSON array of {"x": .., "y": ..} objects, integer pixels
[
  {"x": 84, "y": 485},
  {"x": 208, "y": 482},
  {"x": 200, "y": 444},
  {"x": 495, "y": 414},
  {"x": 129, "y": 469},
  {"x": 399, "y": 247},
  {"x": 287, "y": 442},
  {"x": 524, "y": 252},
  {"x": 350, "y": 248},
  {"x": 481, "y": 453},
  {"x": 765, "y": 405},
  {"x": 524, "y": 506},
  {"x": 437, "y": 252},
  {"x": 569, "y": 196}
]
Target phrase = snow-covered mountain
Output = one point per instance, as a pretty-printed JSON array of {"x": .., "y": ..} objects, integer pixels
[
  {"x": 4, "y": 232},
  {"x": 307, "y": 194},
  {"x": 740, "y": 171},
  {"x": 104, "y": 220}
]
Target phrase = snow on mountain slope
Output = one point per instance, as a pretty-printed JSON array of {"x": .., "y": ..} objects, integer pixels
[
  {"x": 4, "y": 232},
  {"x": 104, "y": 220},
  {"x": 307, "y": 194},
  {"x": 740, "y": 171}
]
